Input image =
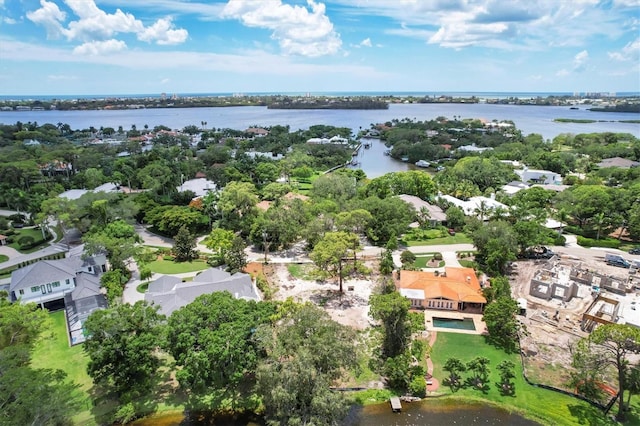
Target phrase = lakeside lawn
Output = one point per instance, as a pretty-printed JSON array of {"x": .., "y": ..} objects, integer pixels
[
  {"x": 459, "y": 238},
  {"x": 170, "y": 267},
  {"x": 545, "y": 406},
  {"x": 53, "y": 351}
]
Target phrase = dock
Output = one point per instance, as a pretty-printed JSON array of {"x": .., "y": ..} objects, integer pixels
[{"x": 396, "y": 406}]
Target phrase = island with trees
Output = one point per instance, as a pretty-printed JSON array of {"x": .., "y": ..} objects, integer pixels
[{"x": 298, "y": 358}]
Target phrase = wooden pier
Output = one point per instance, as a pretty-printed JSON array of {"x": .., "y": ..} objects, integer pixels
[{"x": 396, "y": 406}]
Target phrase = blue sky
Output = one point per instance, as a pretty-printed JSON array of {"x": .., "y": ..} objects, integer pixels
[{"x": 83, "y": 47}]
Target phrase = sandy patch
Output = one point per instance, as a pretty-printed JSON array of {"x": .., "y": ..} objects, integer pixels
[{"x": 349, "y": 308}]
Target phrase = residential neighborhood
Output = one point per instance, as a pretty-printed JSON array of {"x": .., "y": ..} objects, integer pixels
[{"x": 209, "y": 265}]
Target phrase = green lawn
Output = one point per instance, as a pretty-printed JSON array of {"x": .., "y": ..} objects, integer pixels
[
  {"x": 3, "y": 258},
  {"x": 53, "y": 351},
  {"x": 36, "y": 234},
  {"x": 542, "y": 405},
  {"x": 459, "y": 238},
  {"x": 171, "y": 267},
  {"x": 422, "y": 260}
]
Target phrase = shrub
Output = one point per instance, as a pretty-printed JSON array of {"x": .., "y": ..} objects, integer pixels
[
  {"x": 407, "y": 257},
  {"x": 264, "y": 287},
  {"x": 416, "y": 320},
  {"x": 26, "y": 241},
  {"x": 168, "y": 258},
  {"x": 559, "y": 240},
  {"x": 603, "y": 242},
  {"x": 437, "y": 256},
  {"x": 418, "y": 386}
]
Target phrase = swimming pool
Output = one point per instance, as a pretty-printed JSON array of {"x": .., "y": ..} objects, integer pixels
[{"x": 457, "y": 324}]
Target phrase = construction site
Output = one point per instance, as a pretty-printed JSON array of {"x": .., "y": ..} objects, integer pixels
[{"x": 561, "y": 301}]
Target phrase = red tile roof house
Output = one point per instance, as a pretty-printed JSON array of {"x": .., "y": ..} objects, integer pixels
[{"x": 455, "y": 289}]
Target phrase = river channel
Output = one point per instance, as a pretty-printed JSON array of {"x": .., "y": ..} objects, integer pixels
[
  {"x": 528, "y": 118},
  {"x": 423, "y": 413}
]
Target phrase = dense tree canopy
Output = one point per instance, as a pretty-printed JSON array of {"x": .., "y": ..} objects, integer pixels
[
  {"x": 212, "y": 340},
  {"x": 121, "y": 347},
  {"x": 306, "y": 352}
]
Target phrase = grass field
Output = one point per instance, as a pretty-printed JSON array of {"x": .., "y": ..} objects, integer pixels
[
  {"x": 459, "y": 238},
  {"x": 171, "y": 267},
  {"x": 3, "y": 258},
  {"x": 422, "y": 260},
  {"x": 36, "y": 234},
  {"x": 543, "y": 405},
  {"x": 53, "y": 351}
]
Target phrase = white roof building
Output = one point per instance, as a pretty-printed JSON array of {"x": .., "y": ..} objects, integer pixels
[
  {"x": 200, "y": 186},
  {"x": 539, "y": 176},
  {"x": 473, "y": 204}
]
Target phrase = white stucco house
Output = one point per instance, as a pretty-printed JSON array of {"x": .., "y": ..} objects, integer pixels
[
  {"x": 474, "y": 205},
  {"x": 547, "y": 177}
]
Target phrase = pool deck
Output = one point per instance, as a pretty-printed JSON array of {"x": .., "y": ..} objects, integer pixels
[{"x": 481, "y": 327}]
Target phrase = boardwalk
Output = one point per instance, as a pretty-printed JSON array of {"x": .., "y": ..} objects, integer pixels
[{"x": 396, "y": 406}]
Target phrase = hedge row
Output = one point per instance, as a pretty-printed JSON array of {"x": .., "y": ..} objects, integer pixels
[{"x": 603, "y": 242}]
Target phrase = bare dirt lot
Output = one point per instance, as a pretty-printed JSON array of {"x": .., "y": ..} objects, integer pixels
[{"x": 349, "y": 308}]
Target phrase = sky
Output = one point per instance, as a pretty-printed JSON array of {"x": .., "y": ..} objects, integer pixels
[{"x": 84, "y": 47}]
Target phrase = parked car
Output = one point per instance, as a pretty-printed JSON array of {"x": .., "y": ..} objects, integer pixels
[
  {"x": 616, "y": 260},
  {"x": 540, "y": 252},
  {"x": 635, "y": 250}
]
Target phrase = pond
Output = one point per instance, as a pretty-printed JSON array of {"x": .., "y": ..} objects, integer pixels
[{"x": 425, "y": 412}]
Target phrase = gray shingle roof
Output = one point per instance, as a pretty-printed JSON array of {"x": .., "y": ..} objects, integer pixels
[
  {"x": 171, "y": 295},
  {"x": 44, "y": 271}
]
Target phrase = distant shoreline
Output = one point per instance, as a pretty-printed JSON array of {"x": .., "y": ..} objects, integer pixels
[{"x": 460, "y": 94}]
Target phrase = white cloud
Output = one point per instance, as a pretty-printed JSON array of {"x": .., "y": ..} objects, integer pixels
[
  {"x": 63, "y": 77},
  {"x": 579, "y": 61},
  {"x": 245, "y": 64},
  {"x": 95, "y": 48},
  {"x": 95, "y": 25},
  {"x": 49, "y": 16},
  {"x": 298, "y": 30},
  {"x": 578, "y": 64},
  {"x": 366, "y": 42},
  {"x": 631, "y": 51},
  {"x": 165, "y": 80},
  {"x": 9, "y": 21},
  {"x": 163, "y": 32},
  {"x": 515, "y": 25}
]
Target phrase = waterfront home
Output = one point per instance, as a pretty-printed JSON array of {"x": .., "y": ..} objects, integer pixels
[
  {"x": 257, "y": 132},
  {"x": 455, "y": 289},
  {"x": 335, "y": 140},
  {"x": 480, "y": 207},
  {"x": 436, "y": 215},
  {"x": 170, "y": 293},
  {"x": 47, "y": 282}
]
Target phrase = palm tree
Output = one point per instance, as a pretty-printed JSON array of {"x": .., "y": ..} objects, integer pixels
[
  {"x": 600, "y": 220},
  {"x": 482, "y": 210},
  {"x": 454, "y": 367}
]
